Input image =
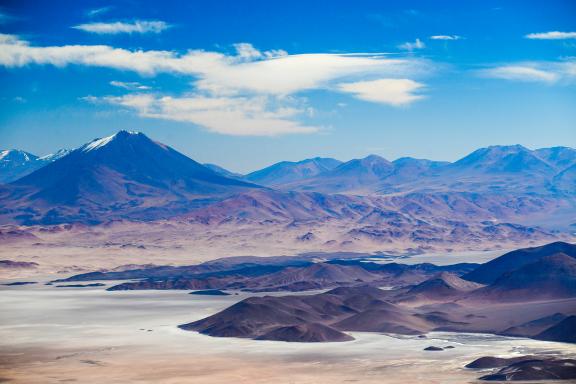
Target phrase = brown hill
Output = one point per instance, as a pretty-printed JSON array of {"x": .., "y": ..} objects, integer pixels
[
  {"x": 443, "y": 287},
  {"x": 306, "y": 333},
  {"x": 297, "y": 318},
  {"x": 384, "y": 317},
  {"x": 491, "y": 271},
  {"x": 564, "y": 331},
  {"x": 258, "y": 316},
  {"x": 550, "y": 277},
  {"x": 534, "y": 327}
]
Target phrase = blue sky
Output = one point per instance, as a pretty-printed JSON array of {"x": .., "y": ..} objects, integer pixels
[{"x": 245, "y": 84}]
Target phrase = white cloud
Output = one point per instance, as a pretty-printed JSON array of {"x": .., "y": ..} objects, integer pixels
[
  {"x": 394, "y": 92},
  {"x": 241, "y": 116},
  {"x": 245, "y": 93},
  {"x": 540, "y": 72},
  {"x": 9, "y": 40},
  {"x": 247, "y": 52},
  {"x": 274, "y": 73},
  {"x": 554, "y": 35},
  {"x": 445, "y": 37},
  {"x": 409, "y": 46},
  {"x": 131, "y": 86},
  {"x": 294, "y": 73},
  {"x": 138, "y": 26}
]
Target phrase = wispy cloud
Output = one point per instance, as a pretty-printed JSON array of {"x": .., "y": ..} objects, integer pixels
[
  {"x": 554, "y": 35},
  {"x": 240, "y": 116},
  {"x": 539, "y": 72},
  {"x": 521, "y": 73},
  {"x": 131, "y": 86},
  {"x": 138, "y": 26},
  {"x": 6, "y": 17},
  {"x": 411, "y": 46},
  {"x": 98, "y": 11},
  {"x": 394, "y": 92},
  {"x": 445, "y": 37}
]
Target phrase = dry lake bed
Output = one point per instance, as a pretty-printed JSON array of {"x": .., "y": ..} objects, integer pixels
[{"x": 88, "y": 335}]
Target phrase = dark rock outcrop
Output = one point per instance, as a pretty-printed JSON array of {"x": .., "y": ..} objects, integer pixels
[
  {"x": 210, "y": 292},
  {"x": 18, "y": 283},
  {"x": 433, "y": 348},
  {"x": 534, "y": 370},
  {"x": 9, "y": 264},
  {"x": 497, "y": 362}
]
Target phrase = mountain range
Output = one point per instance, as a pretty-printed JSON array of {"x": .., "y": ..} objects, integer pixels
[
  {"x": 493, "y": 169},
  {"x": 498, "y": 192},
  {"x": 496, "y": 169}
]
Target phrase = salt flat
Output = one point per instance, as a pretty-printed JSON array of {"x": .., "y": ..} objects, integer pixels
[{"x": 88, "y": 335}]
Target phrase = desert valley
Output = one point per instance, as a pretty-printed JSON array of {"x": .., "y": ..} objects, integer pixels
[{"x": 469, "y": 262}]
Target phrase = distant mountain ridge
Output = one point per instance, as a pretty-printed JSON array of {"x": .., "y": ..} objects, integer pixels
[
  {"x": 366, "y": 175},
  {"x": 492, "y": 169},
  {"x": 290, "y": 171},
  {"x": 15, "y": 163}
]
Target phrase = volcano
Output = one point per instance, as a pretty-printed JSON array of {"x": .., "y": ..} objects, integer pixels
[{"x": 126, "y": 175}]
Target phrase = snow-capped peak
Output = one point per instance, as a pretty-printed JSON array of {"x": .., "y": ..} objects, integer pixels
[
  {"x": 16, "y": 155},
  {"x": 99, "y": 143},
  {"x": 55, "y": 156}
]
